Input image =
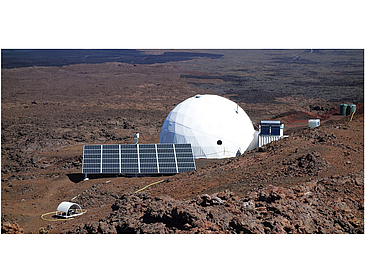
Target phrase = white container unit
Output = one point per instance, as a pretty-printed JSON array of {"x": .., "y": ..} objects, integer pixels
[
  {"x": 312, "y": 123},
  {"x": 270, "y": 131}
]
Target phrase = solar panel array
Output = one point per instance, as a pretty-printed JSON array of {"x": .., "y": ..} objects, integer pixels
[{"x": 138, "y": 159}]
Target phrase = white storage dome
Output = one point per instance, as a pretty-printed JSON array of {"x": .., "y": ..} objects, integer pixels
[
  {"x": 214, "y": 126},
  {"x": 68, "y": 209}
]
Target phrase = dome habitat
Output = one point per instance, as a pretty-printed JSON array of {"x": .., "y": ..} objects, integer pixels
[{"x": 214, "y": 126}]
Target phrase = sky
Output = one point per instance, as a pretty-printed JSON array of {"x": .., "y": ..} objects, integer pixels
[{"x": 181, "y": 25}]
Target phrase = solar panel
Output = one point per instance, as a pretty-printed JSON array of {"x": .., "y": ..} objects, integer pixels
[
  {"x": 129, "y": 163},
  {"x": 110, "y": 159},
  {"x": 184, "y": 157},
  {"x": 148, "y": 159},
  {"x": 92, "y": 159},
  {"x": 137, "y": 159},
  {"x": 166, "y": 158}
]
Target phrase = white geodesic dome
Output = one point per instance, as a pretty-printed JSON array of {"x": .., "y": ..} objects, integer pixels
[{"x": 214, "y": 126}]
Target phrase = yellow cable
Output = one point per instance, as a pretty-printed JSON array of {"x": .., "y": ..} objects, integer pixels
[
  {"x": 352, "y": 115},
  {"x": 58, "y": 219},
  {"x": 148, "y": 186},
  {"x": 86, "y": 210}
]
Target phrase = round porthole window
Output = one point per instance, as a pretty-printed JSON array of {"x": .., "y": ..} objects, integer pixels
[{"x": 219, "y": 142}]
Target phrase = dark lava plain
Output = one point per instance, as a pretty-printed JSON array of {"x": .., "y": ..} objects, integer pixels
[
  {"x": 64, "y": 57},
  {"x": 259, "y": 76}
]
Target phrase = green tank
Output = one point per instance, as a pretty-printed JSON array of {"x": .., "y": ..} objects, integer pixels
[
  {"x": 350, "y": 109},
  {"x": 343, "y": 109}
]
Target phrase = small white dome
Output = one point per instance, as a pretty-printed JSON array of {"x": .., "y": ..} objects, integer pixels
[{"x": 214, "y": 126}]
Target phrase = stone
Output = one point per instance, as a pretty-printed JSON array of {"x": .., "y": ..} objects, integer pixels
[
  {"x": 248, "y": 205},
  {"x": 217, "y": 200}
]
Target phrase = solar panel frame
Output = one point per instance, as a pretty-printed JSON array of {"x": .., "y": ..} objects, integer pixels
[
  {"x": 184, "y": 157},
  {"x": 148, "y": 158},
  {"x": 93, "y": 155},
  {"x": 137, "y": 159}
]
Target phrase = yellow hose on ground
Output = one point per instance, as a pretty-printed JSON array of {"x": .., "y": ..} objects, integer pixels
[
  {"x": 352, "y": 115},
  {"x": 57, "y": 219},
  {"x": 86, "y": 210},
  {"x": 148, "y": 186}
]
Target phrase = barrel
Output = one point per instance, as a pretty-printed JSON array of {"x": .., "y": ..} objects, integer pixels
[
  {"x": 343, "y": 109},
  {"x": 350, "y": 109}
]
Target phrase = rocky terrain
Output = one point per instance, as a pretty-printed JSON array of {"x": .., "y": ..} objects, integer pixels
[
  {"x": 309, "y": 182},
  {"x": 313, "y": 207}
]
